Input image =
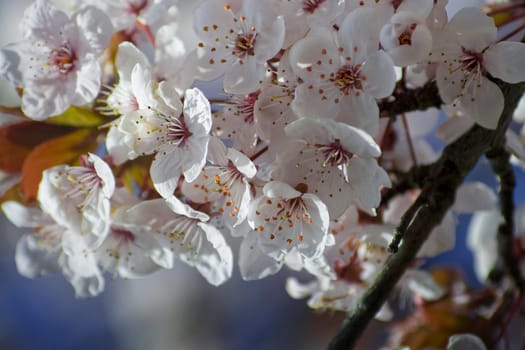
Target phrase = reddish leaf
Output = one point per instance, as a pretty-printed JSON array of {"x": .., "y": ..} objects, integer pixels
[
  {"x": 17, "y": 140},
  {"x": 30, "y": 133},
  {"x": 12, "y": 155},
  {"x": 61, "y": 150}
]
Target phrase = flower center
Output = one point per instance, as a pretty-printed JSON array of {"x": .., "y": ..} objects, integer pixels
[
  {"x": 471, "y": 62},
  {"x": 348, "y": 78},
  {"x": 310, "y": 6},
  {"x": 246, "y": 106},
  {"x": 245, "y": 44},
  {"x": 177, "y": 132},
  {"x": 85, "y": 182},
  {"x": 334, "y": 154},
  {"x": 287, "y": 214},
  {"x": 406, "y": 37},
  {"x": 63, "y": 58}
]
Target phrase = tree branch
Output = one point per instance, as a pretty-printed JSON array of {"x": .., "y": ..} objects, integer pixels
[
  {"x": 507, "y": 262},
  {"x": 407, "y": 100},
  {"x": 436, "y": 197}
]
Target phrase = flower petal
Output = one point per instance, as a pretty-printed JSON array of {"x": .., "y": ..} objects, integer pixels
[
  {"x": 484, "y": 105},
  {"x": 380, "y": 75},
  {"x": 474, "y": 196},
  {"x": 34, "y": 259},
  {"x": 465, "y": 342},
  {"x": 165, "y": 172},
  {"x": 505, "y": 61},
  {"x": 253, "y": 263}
]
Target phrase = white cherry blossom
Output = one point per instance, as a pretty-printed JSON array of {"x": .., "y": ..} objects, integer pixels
[
  {"x": 53, "y": 247},
  {"x": 190, "y": 239},
  {"x": 236, "y": 121},
  {"x": 176, "y": 132},
  {"x": 286, "y": 218},
  {"x": 237, "y": 42},
  {"x": 129, "y": 251},
  {"x": 343, "y": 73},
  {"x": 57, "y": 62},
  {"x": 227, "y": 184},
  {"x": 78, "y": 197},
  {"x": 406, "y": 37},
  {"x": 465, "y": 52},
  {"x": 183, "y": 135},
  {"x": 134, "y": 98}
]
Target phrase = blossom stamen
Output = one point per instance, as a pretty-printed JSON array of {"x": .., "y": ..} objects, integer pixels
[
  {"x": 63, "y": 58},
  {"x": 348, "y": 78},
  {"x": 310, "y": 6},
  {"x": 245, "y": 44},
  {"x": 176, "y": 131},
  {"x": 406, "y": 37},
  {"x": 335, "y": 154}
]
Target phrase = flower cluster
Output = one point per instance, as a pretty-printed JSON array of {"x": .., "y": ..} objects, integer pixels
[{"x": 292, "y": 158}]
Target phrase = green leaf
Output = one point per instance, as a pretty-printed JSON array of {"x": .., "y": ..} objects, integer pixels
[{"x": 78, "y": 117}]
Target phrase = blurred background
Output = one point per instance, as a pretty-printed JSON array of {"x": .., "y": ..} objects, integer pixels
[{"x": 174, "y": 309}]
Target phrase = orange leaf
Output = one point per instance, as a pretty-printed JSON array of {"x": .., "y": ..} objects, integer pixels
[
  {"x": 17, "y": 140},
  {"x": 12, "y": 155},
  {"x": 13, "y": 194},
  {"x": 60, "y": 150}
]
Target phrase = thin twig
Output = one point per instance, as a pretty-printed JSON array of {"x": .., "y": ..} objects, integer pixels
[
  {"x": 12, "y": 110},
  {"x": 411, "y": 149}
]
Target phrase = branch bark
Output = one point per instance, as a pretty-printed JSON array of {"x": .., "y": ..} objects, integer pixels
[
  {"x": 405, "y": 100},
  {"x": 436, "y": 197},
  {"x": 507, "y": 263}
]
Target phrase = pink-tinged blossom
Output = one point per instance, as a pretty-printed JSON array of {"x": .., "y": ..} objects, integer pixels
[
  {"x": 335, "y": 161},
  {"x": 466, "y": 50},
  {"x": 78, "y": 197},
  {"x": 237, "y": 42},
  {"x": 57, "y": 62},
  {"x": 53, "y": 247},
  {"x": 343, "y": 73}
]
